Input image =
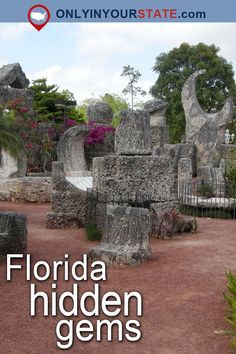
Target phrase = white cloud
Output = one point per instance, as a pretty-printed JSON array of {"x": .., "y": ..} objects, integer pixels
[
  {"x": 101, "y": 49},
  {"x": 12, "y": 31}
]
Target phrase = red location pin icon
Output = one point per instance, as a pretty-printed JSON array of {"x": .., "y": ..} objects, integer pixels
[{"x": 38, "y": 16}]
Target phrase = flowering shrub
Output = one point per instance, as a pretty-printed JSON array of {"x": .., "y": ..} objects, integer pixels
[
  {"x": 166, "y": 224},
  {"x": 97, "y": 134}
]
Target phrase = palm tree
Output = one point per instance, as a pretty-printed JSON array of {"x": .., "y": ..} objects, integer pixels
[{"x": 10, "y": 141}]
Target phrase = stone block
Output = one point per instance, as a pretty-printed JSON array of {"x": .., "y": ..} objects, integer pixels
[
  {"x": 126, "y": 237},
  {"x": 13, "y": 233},
  {"x": 177, "y": 152},
  {"x": 133, "y": 135},
  {"x": 12, "y": 75},
  {"x": 100, "y": 113}
]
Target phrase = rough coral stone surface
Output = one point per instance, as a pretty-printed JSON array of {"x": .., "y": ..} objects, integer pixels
[
  {"x": 12, "y": 75},
  {"x": 124, "y": 176},
  {"x": 70, "y": 149},
  {"x": 26, "y": 189},
  {"x": 205, "y": 130},
  {"x": 13, "y": 233},
  {"x": 100, "y": 113},
  {"x": 133, "y": 136},
  {"x": 177, "y": 152},
  {"x": 126, "y": 238}
]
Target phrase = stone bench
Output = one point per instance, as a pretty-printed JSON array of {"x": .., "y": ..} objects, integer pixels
[{"x": 13, "y": 233}]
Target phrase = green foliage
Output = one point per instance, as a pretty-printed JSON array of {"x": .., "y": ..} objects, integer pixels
[
  {"x": 232, "y": 127},
  {"x": 132, "y": 88},
  {"x": 45, "y": 98},
  {"x": 231, "y": 300},
  {"x": 205, "y": 190},
  {"x": 117, "y": 105},
  {"x": 230, "y": 174},
  {"x": 9, "y": 139},
  {"x": 212, "y": 88},
  {"x": 92, "y": 232}
]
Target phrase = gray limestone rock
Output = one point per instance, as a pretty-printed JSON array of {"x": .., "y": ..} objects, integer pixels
[
  {"x": 68, "y": 202},
  {"x": 100, "y": 113},
  {"x": 11, "y": 167},
  {"x": 155, "y": 106},
  {"x": 213, "y": 177},
  {"x": 125, "y": 175},
  {"x": 157, "y": 110},
  {"x": 159, "y": 136},
  {"x": 133, "y": 136},
  {"x": 185, "y": 169},
  {"x": 12, "y": 75},
  {"x": 205, "y": 130},
  {"x": 126, "y": 239},
  {"x": 70, "y": 149},
  {"x": 177, "y": 152},
  {"x": 13, "y": 233},
  {"x": 185, "y": 174},
  {"x": 8, "y": 94}
]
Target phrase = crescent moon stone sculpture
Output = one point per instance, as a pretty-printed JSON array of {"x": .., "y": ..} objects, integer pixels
[{"x": 205, "y": 130}]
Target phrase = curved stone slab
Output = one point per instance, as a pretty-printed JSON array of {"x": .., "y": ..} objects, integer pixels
[
  {"x": 206, "y": 130},
  {"x": 70, "y": 149}
]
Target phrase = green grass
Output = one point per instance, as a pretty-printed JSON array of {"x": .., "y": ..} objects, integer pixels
[
  {"x": 230, "y": 298},
  {"x": 92, "y": 232}
]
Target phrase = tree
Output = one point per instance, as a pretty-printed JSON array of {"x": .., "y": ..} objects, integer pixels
[
  {"x": 133, "y": 76},
  {"x": 10, "y": 141},
  {"x": 45, "y": 99},
  {"x": 117, "y": 104},
  {"x": 212, "y": 88}
]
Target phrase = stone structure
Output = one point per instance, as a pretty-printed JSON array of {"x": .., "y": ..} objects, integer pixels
[
  {"x": 225, "y": 152},
  {"x": 70, "y": 150},
  {"x": 120, "y": 177},
  {"x": 133, "y": 136},
  {"x": 100, "y": 113},
  {"x": 68, "y": 201},
  {"x": 213, "y": 177},
  {"x": 159, "y": 130},
  {"x": 205, "y": 130},
  {"x": 125, "y": 175},
  {"x": 13, "y": 76},
  {"x": 13, "y": 85},
  {"x": 177, "y": 152},
  {"x": 185, "y": 175},
  {"x": 13, "y": 234},
  {"x": 11, "y": 167},
  {"x": 26, "y": 189},
  {"x": 100, "y": 150},
  {"x": 71, "y": 175},
  {"x": 126, "y": 239}
]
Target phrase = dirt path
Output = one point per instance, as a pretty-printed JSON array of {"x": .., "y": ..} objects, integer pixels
[{"x": 181, "y": 286}]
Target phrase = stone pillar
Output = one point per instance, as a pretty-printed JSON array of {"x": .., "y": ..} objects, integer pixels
[
  {"x": 185, "y": 174},
  {"x": 126, "y": 237}
]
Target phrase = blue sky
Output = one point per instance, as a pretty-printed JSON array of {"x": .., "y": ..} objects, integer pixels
[{"x": 88, "y": 58}]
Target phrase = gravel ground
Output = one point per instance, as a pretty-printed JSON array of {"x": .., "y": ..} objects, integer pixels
[{"x": 182, "y": 286}]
